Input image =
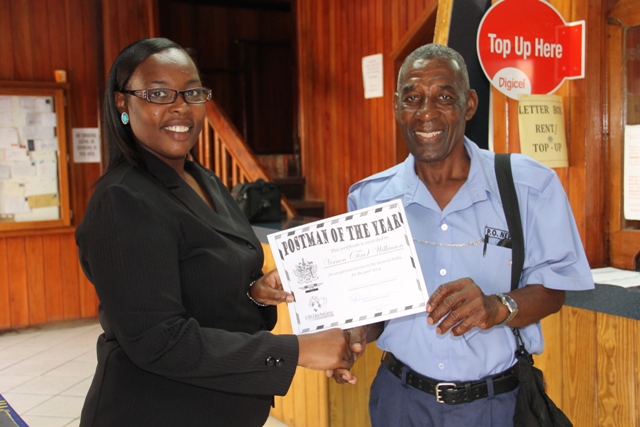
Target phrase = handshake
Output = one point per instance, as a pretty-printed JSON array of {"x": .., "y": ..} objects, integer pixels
[{"x": 335, "y": 351}]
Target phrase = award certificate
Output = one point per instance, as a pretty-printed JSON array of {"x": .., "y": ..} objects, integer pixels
[{"x": 350, "y": 270}]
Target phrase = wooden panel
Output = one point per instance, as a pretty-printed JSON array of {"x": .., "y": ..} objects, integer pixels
[
  {"x": 626, "y": 13},
  {"x": 71, "y": 287},
  {"x": 18, "y": 290},
  {"x": 6, "y": 47},
  {"x": 585, "y": 104},
  {"x": 577, "y": 354},
  {"x": 553, "y": 343},
  {"x": 35, "y": 279},
  {"x": 617, "y": 398},
  {"x": 22, "y": 43},
  {"x": 598, "y": 355},
  {"x": 53, "y": 279},
  {"x": 38, "y": 18}
]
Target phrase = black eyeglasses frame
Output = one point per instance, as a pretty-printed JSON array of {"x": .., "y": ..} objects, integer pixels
[{"x": 144, "y": 94}]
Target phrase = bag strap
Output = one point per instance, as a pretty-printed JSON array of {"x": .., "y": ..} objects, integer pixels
[
  {"x": 512, "y": 213},
  {"x": 511, "y": 208}
]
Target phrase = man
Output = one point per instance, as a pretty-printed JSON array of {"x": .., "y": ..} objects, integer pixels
[{"x": 462, "y": 348}]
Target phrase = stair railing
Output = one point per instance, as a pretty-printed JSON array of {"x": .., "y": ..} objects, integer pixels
[{"x": 221, "y": 149}]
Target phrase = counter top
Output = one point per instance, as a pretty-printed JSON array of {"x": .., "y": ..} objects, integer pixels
[{"x": 623, "y": 302}]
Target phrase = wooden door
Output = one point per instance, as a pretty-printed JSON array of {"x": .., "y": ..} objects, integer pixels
[{"x": 623, "y": 81}]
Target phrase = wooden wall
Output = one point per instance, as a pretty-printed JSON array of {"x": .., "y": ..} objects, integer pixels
[
  {"x": 345, "y": 137},
  {"x": 40, "y": 277}
]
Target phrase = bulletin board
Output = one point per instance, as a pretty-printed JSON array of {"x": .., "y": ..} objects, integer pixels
[{"x": 34, "y": 184}]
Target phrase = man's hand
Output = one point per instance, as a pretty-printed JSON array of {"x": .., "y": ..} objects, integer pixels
[{"x": 460, "y": 305}]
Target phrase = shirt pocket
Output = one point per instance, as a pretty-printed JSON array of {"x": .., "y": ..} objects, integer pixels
[{"x": 490, "y": 268}]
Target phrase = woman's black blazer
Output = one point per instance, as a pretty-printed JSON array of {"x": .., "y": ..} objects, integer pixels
[{"x": 182, "y": 343}]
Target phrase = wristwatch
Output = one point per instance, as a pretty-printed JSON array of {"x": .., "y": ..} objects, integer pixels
[{"x": 511, "y": 306}]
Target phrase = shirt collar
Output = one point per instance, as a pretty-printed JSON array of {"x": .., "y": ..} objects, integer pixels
[{"x": 406, "y": 185}]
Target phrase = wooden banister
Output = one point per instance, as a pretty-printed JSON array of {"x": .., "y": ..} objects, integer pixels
[{"x": 222, "y": 149}]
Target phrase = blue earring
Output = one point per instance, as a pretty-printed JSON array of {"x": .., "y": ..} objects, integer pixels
[{"x": 124, "y": 117}]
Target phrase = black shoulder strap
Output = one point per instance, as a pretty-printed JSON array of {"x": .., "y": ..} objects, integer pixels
[{"x": 512, "y": 213}]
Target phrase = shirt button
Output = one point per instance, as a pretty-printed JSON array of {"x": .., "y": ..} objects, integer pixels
[
  {"x": 250, "y": 246},
  {"x": 444, "y": 227},
  {"x": 279, "y": 363},
  {"x": 443, "y": 272},
  {"x": 441, "y": 365},
  {"x": 270, "y": 361}
]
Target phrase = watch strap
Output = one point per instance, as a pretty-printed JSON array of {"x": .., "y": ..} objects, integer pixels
[{"x": 511, "y": 305}]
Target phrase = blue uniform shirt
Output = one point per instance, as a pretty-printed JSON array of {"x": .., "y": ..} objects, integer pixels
[{"x": 450, "y": 245}]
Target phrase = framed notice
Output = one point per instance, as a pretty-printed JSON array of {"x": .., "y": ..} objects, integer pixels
[{"x": 34, "y": 184}]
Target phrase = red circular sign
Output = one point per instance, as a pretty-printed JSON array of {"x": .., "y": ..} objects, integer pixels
[{"x": 524, "y": 46}]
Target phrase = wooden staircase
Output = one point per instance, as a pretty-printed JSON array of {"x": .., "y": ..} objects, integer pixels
[{"x": 221, "y": 148}]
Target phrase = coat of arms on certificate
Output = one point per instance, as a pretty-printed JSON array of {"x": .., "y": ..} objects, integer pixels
[{"x": 351, "y": 269}]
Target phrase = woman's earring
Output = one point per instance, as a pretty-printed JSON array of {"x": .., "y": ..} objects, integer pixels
[{"x": 124, "y": 117}]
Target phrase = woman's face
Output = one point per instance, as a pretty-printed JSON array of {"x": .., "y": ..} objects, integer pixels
[{"x": 168, "y": 131}]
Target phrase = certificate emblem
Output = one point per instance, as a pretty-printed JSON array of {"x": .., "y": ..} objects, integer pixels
[{"x": 306, "y": 272}]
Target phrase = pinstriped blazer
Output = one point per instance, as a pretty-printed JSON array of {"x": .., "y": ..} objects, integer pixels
[{"x": 182, "y": 344}]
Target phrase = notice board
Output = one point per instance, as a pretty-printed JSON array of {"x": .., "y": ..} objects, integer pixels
[{"x": 34, "y": 187}]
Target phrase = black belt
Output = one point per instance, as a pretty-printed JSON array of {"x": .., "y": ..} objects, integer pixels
[{"x": 449, "y": 392}]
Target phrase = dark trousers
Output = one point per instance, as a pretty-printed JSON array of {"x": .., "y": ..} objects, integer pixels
[{"x": 395, "y": 404}]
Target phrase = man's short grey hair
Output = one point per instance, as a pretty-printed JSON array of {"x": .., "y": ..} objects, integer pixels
[{"x": 433, "y": 50}]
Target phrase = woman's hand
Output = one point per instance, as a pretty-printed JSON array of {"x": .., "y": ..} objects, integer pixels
[
  {"x": 268, "y": 290},
  {"x": 327, "y": 351}
]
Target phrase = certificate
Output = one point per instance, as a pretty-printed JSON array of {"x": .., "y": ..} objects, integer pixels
[{"x": 350, "y": 270}]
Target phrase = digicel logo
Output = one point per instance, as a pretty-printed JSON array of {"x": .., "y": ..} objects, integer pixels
[{"x": 524, "y": 46}]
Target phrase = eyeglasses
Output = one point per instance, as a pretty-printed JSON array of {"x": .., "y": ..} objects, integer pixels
[{"x": 161, "y": 95}]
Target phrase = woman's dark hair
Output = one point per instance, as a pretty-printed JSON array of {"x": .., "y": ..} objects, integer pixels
[{"x": 119, "y": 137}]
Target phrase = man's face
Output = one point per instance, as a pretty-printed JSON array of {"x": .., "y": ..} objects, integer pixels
[{"x": 432, "y": 108}]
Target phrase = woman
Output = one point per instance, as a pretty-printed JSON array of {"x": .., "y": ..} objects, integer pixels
[{"x": 183, "y": 303}]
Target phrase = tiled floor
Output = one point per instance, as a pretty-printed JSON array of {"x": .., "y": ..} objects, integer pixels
[{"x": 45, "y": 373}]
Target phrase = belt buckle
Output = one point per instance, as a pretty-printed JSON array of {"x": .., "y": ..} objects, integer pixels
[{"x": 439, "y": 390}]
